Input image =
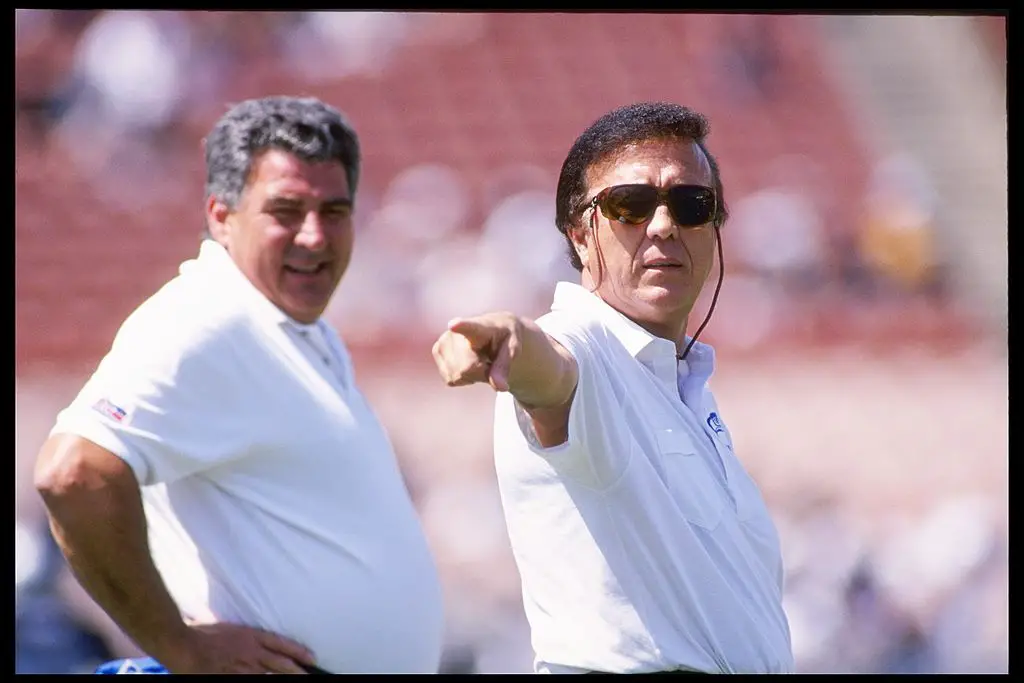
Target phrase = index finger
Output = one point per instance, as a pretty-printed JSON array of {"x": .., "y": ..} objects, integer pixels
[
  {"x": 287, "y": 647},
  {"x": 476, "y": 332}
]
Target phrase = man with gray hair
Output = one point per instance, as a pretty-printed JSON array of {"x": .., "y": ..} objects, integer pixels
[{"x": 220, "y": 486}]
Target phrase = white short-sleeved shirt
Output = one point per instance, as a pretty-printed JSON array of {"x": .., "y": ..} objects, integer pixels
[
  {"x": 642, "y": 543},
  {"x": 272, "y": 493}
]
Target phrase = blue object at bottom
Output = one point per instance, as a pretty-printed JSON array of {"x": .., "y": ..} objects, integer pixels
[{"x": 139, "y": 665}]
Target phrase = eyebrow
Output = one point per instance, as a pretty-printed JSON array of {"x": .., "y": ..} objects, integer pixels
[
  {"x": 337, "y": 203},
  {"x": 332, "y": 203}
]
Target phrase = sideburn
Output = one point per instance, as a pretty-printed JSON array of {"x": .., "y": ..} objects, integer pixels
[{"x": 592, "y": 228}]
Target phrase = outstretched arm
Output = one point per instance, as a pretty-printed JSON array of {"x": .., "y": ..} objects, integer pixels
[{"x": 512, "y": 354}]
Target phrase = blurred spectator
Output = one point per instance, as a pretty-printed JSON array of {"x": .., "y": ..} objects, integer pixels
[
  {"x": 946, "y": 573},
  {"x": 510, "y": 264},
  {"x": 971, "y": 621},
  {"x": 971, "y": 629},
  {"x": 44, "y": 44},
  {"x": 897, "y": 233},
  {"x": 521, "y": 228},
  {"x": 226, "y": 55},
  {"x": 453, "y": 481},
  {"x": 922, "y": 562},
  {"x": 48, "y": 639},
  {"x": 214, "y": 58},
  {"x": 385, "y": 269},
  {"x": 424, "y": 204},
  {"x": 459, "y": 275},
  {"x": 129, "y": 68},
  {"x": 463, "y": 518},
  {"x": 876, "y": 636},
  {"x": 746, "y": 314},
  {"x": 458, "y": 658},
  {"x": 820, "y": 551},
  {"x": 333, "y": 45},
  {"x": 749, "y": 57},
  {"x": 233, "y": 55},
  {"x": 131, "y": 64},
  {"x": 777, "y": 236},
  {"x": 505, "y": 181},
  {"x": 777, "y": 232},
  {"x": 423, "y": 209}
]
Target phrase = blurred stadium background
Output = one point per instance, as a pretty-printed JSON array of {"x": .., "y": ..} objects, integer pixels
[{"x": 861, "y": 328}]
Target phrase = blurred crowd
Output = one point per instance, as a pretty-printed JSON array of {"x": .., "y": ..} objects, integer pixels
[
  {"x": 115, "y": 103},
  {"x": 110, "y": 106},
  {"x": 930, "y": 596}
]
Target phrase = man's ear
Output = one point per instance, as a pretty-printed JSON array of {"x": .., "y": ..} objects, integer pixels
[{"x": 217, "y": 213}]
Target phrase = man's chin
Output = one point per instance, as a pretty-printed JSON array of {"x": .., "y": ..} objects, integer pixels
[
  {"x": 664, "y": 294},
  {"x": 305, "y": 312},
  {"x": 665, "y": 302}
]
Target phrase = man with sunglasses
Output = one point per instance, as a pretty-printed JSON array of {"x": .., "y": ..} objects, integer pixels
[{"x": 642, "y": 543}]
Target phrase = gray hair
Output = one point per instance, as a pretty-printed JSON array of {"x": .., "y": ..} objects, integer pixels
[{"x": 304, "y": 126}]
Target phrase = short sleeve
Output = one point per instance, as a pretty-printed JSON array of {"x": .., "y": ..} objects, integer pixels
[
  {"x": 598, "y": 447},
  {"x": 165, "y": 399}
]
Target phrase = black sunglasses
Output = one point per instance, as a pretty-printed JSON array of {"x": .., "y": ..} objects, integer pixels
[{"x": 689, "y": 205}]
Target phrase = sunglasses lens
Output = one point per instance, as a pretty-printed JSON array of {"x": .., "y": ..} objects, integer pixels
[
  {"x": 690, "y": 205},
  {"x": 632, "y": 204}
]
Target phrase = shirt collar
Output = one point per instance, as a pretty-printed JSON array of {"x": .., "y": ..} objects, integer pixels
[
  {"x": 640, "y": 343},
  {"x": 215, "y": 261}
]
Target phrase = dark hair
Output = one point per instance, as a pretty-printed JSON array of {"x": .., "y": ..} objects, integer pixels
[
  {"x": 615, "y": 130},
  {"x": 303, "y": 126}
]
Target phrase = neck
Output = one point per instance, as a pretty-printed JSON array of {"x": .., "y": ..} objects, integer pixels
[
  {"x": 675, "y": 333},
  {"x": 671, "y": 326},
  {"x": 668, "y": 325}
]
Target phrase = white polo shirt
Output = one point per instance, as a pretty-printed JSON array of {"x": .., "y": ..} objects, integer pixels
[
  {"x": 642, "y": 543},
  {"x": 272, "y": 493}
]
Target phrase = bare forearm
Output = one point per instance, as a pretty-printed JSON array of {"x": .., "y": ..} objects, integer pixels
[
  {"x": 513, "y": 355},
  {"x": 102, "y": 532},
  {"x": 543, "y": 374}
]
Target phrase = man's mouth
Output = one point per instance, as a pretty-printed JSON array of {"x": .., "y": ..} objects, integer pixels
[
  {"x": 663, "y": 263},
  {"x": 310, "y": 269}
]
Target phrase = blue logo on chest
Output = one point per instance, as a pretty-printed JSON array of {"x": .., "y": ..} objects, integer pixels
[{"x": 715, "y": 423}]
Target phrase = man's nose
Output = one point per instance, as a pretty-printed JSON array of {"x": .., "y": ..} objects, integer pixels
[
  {"x": 661, "y": 224},
  {"x": 311, "y": 235}
]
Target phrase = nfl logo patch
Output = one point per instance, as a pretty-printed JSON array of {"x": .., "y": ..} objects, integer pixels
[{"x": 107, "y": 408}]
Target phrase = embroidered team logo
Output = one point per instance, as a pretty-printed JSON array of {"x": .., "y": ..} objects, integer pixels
[
  {"x": 715, "y": 423},
  {"x": 105, "y": 407}
]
